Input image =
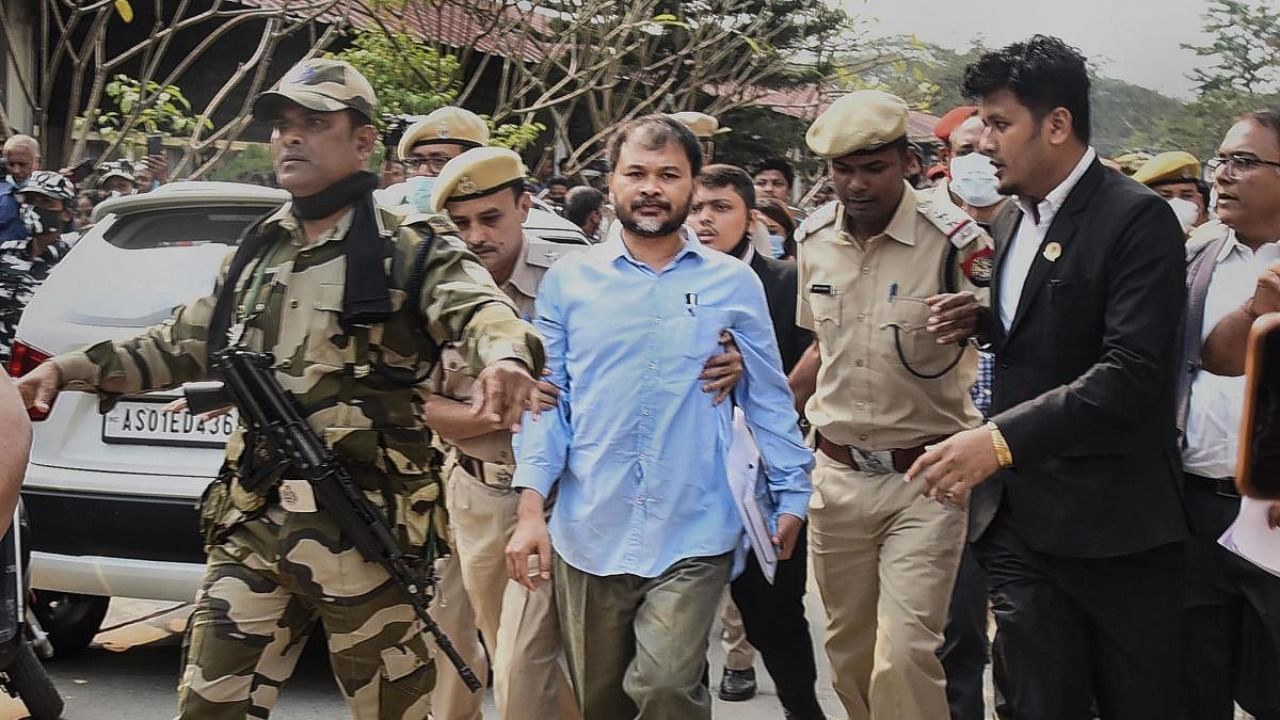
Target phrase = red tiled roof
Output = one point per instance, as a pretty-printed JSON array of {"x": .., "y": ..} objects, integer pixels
[
  {"x": 487, "y": 26},
  {"x": 808, "y": 102}
]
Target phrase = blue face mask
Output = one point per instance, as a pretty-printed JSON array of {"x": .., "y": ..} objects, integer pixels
[
  {"x": 777, "y": 245},
  {"x": 419, "y": 195}
]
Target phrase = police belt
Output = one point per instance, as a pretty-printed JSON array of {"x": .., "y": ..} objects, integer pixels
[
  {"x": 871, "y": 462},
  {"x": 473, "y": 467}
]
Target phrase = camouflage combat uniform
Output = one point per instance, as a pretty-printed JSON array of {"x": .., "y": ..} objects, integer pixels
[
  {"x": 272, "y": 572},
  {"x": 20, "y": 276}
]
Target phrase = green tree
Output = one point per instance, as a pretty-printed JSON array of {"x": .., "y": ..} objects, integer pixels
[
  {"x": 409, "y": 77},
  {"x": 413, "y": 78},
  {"x": 1245, "y": 75},
  {"x": 169, "y": 113}
]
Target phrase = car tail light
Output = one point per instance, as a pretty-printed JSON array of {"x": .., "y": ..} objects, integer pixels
[{"x": 22, "y": 360}]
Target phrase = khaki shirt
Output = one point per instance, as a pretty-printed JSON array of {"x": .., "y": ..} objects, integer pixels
[
  {"x": 852, "y": 294},
  {"x": 452, "y": 379}
]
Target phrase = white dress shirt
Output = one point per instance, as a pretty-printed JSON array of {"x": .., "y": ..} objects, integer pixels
[
  {"x": 1026, "y": 242},
  {"x": 1217, "y": 402}
]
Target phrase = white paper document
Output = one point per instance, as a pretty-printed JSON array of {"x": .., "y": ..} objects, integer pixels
[
  {"x": 1251, "y": 538},
  {"x": 743, "y": 463}
]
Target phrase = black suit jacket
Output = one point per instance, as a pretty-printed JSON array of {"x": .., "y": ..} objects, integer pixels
[
  {"x": 780, "y": 280},
  {"x": 1084, "y": 377}
]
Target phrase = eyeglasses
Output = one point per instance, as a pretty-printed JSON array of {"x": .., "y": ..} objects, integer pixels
[
  {"x": 432, "y": 162},
  {"x": 1237, "y": 165}
]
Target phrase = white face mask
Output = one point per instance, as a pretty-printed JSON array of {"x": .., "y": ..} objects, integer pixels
[
  {"x": 1188, "y": 212},
  {"x": 973, "y": 180}
]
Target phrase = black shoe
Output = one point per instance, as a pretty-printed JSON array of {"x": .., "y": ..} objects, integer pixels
[{"x": 738, "y": 685}]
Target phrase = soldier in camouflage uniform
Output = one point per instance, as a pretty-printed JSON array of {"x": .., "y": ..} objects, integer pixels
[
  {"x": 352, "y": 355},
  {"x": 25, "y": 263}
]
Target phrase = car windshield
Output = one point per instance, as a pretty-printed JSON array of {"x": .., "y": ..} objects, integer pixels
[{"x": 182, "y": 227}]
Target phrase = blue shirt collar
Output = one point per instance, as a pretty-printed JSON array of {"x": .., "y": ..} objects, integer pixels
[{"x": 614, "y": 248}]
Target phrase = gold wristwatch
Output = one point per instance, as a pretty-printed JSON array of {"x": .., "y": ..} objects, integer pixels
[{"x": 1004, "y": 455}]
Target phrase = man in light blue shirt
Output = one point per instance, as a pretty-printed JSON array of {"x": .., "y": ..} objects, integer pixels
[{"x": 645, "y": 523}]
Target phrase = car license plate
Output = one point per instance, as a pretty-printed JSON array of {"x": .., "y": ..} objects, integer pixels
[{"x": 144, "y": 422}]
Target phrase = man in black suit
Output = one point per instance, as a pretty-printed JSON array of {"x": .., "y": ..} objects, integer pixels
[
  {"x": 1076, "y": 479},
  {"x": 772, "y": 614}
]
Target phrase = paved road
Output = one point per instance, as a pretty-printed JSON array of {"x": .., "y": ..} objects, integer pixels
[{"x": 131, "y": 671}]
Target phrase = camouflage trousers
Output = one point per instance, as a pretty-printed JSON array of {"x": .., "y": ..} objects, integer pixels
[{"x": 265, "y": 588}]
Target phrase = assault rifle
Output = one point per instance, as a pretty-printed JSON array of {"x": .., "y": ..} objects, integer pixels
[{"x": 273, "y": 413}]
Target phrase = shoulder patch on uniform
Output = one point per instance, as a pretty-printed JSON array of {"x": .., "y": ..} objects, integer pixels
[
  {"x": 978, "y": 267},
  {"x": 959, "y": 228},
  {"x": 441, "y": 224},
  {"x": 819, "y": 219}
]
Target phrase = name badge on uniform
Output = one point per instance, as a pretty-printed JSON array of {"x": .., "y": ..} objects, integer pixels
[
  {"x": 297, "y": 496},
  {"x": 821, "y": 289}
]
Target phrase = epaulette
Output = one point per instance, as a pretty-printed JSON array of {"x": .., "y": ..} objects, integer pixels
[
  {"x": 444, "y": 229},
  {"x": 543, "y": 253},
  {"x": 818, "y": 220},
  {"x": 951, "y": 221}
]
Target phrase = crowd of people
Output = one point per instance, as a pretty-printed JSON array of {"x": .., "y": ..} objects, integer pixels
[{"x": 1006, "y": 382}]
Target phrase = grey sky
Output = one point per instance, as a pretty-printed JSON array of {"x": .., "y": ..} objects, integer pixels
[{"x": 1134, "y": 40}]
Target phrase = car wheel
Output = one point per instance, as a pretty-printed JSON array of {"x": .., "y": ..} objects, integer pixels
[{"x": 71, "y": 620}]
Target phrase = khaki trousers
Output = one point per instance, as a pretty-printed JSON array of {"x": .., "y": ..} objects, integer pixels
[
  {"x": 738, "y": 653},
  {"x": 637, "y": 647},
  {"x": 452, "y": 612},
  {"x": 521, "y": 629},
  {"x": 885, "y": 559}
]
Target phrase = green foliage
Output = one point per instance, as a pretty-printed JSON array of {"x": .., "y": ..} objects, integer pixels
[
  {"x": 1125, "y": 116},
  {"x": 168, "y": 112},
  {"x": 901, "y": 65},
  {"x": 409, "y": 77},
  {"x": 1129, "y": 117},
  {"x": 759, "y": 133},
  {"x": 412, "y": 78},
  {"x": 1246, "y": 76},
  {"x": 513, "y": 136}
]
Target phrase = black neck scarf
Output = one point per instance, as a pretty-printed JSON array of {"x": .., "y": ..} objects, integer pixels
[
  {"x": 366, "y": 298},
  {"x": 740, "y": 250}
]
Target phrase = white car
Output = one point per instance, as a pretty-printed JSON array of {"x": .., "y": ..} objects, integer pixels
[{"x": 112, "y": 497}]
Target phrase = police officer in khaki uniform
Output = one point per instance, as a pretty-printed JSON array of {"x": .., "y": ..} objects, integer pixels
[
  {"x": 704, "y": 127},
  {"x": 483, "y": 191},
  {"x": 891, "y": 283},
  {"x": 442, "y": 135},
  {"x": 426, "y": 147},
  {"x": 1176, "y": 175}
]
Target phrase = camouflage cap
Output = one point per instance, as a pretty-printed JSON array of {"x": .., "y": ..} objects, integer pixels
[
  {"x": 115, "y": 169},
  {"x": 50, "y": 184},
  {"x": 1169, "y": 167},
  {"x": 322, "y": 85},
  {"x": 862, "y": 121}
]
